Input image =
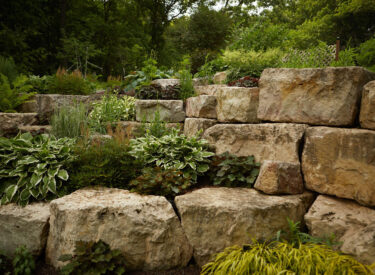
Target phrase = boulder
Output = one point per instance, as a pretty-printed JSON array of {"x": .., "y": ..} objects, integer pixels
[
  {"x": 30, "y": 106},
  {"x": 340, "y": 162},
  {"x": 352, "y": 224},
  {"x": 193, "y": 125},
  {"x": 10, "y": 122},
  {"x": 220, "y": 77},
  {"x": 279, "y": 142},
  {"x": 215, "y": 218},
  {"x": 169, "y": 110},
  {"x": 203, "y": 106},
  {"x": 166, "y": 82},
  {"x": 367, "y": 115},
  {"x": 318, "y": 96},
  {"x": 208, "y": 89},
  {"x": 35, "y": 129},
  {"x": 278, "y": 177},
  {"x": 144, "y": 228},
  {"x": 23, "y": 226},
  {"x": 237, "y": 104}
]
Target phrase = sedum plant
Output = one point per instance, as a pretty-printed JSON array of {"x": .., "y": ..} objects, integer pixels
[
  {"x": 32, "y": 168},
  {"x": 232, "y": 171},
  {"x": 173, "y": 151},
  {"x": 93, "y": 258},
  {"x": 283, "y": 258},
  {"x": 109, "y": 110},
  {"x": 157, "y": 181}
]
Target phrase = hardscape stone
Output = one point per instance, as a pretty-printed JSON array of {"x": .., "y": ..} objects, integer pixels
[
  {"x": 278, "y": 142},
  {"x": 24, "y": 226},
  {"x": 166, "y": 82},
  {"x": 134, "y": 129},
  {"x": 10, "y": 122},
  {"x": 208, "y": 89},
  {"x": 203, "y": 106},
  {"x": 220, "y": 77},
  {"x": 278, "y": 177},
  {"x": 340, "y": 162},
  {"x": 237, "y": 104},
  {"x": 144, "y": 228},
  {"x": 352, "y": 224},
  {"x": 216, "y": 218},
  {"x": 317, "y": 96},
  {"x": 169, "y": 110},
  {"x": 193, "y": 125},
  {"x": 367, "y": 115}
]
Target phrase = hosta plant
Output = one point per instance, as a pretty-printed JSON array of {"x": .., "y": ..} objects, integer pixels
[
  {"x": 109, "y": 110},
  {"x": 93, "y": 258},
  {"x": 157, "y": 181},
  {"x": 32, "y": 168},
  {"x": 173, "y": 151},
  {"x": 232, "y": 171},
  {"x": 283, "y": 258}
]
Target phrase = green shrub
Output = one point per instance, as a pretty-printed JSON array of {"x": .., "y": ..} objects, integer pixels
[
  {"x": 33, "y": 168},
  {"x": 347, "y": 57},
  {"x": 23, "y": 262},
  {"x": 69, "y": 84},
  {"x": 94, "y": 258},
  {"x": 186, "y": 80},
  {"x": 157, "y": 181},
  {"x": 173, "y": 151},
  {"x": 366, "y": 56},
  {"x": 283, "y": 258},
  {"x": 8, "y": 68},
  {"x": 105, "y": 162},
  {"x": 232, "y": 171},
  {"x": 110, "y": 110},
  {"x": 13, "y": 97},
  {"x": 39, "y": 84},
  {"x": 69, "y": 121},
  {"x": 250, "y": 63}
]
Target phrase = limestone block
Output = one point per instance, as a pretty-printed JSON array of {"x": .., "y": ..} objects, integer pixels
[
  {"x": 193, "y": 125},
  {"x": 169, "y": 110},
  {"x": 203, "y": 106},
  {"x": 367, "y": 115}
]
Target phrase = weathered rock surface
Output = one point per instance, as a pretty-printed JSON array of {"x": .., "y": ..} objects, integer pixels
[
  {"x": 35, "y": 129},
  {"x": 26, "y": 226},
  {"x": 340, "y": 162},
  {"x": 215, "y": 218},
  {"x": 48, "y": 103},
  {"x": 134, "y": 128},
  {"x": 321, "y": 96},
  {"x": 9, "y": 122},
  {"x": 277, "y": 177},
  {"x": 144, "y": 228},
  {"x": 352, "y": 224},
  {"x": 30, "y": 106},
  {"x": 169, "y": 110},
  {"x": 237, "y": 104},
  {"x": 220, "y": 77},
  {"x": 208, "y": 89},
  {"x": 203, "y": 106},
  {"x": 166, "y": 82},
  {"x": 193, "y": 125},
  {"x": 367, "y": 115},
  {"x": 279, "y": 142}
]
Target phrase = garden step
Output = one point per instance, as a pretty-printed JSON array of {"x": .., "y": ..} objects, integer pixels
[
  {"x": 10, "y": 122},
  {"x": 169, "y": 110},
  {"x": 367, "y": 115}
]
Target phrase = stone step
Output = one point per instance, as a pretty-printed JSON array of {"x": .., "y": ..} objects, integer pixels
[{"x": 10, "y": 122}]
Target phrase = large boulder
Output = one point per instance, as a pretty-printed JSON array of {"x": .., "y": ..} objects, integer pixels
[
  {"x": 367, "y": 115},
  {"x": 215, "y": 218},
  {"x": 319, "y": 96},
  {"x": 279, "y": 142},
  {"x": 340, "y": 162},
  {"x": 203, "y": 106},
  {"x": 208, "y": 89},
  {"x": 276, "y": 177},
  {"x": 144, "y": 228},
  {"x": 193, "y": 126},
  {"x": 169, "y": 110},
  {"x": 10, "y": 122},
  {"x": 166, "y": 82},
  {"x": 24, "y": 226},
  {"x": 237, "y": 104},
  {"x": 220, "y": 77},
  {"x": 352, "y": 224}
]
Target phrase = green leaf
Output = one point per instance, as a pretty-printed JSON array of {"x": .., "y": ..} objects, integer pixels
[
  {"x": 27, "y": 161},
  {"x": 63, "y": 174},
  {"x": 52, "y": 172},
  {"x": 52, "y": 185},
  {"x": 35, "y": 179},
  {"x": 10, "y": 192},
  {"x": 25, "y": 195}
]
